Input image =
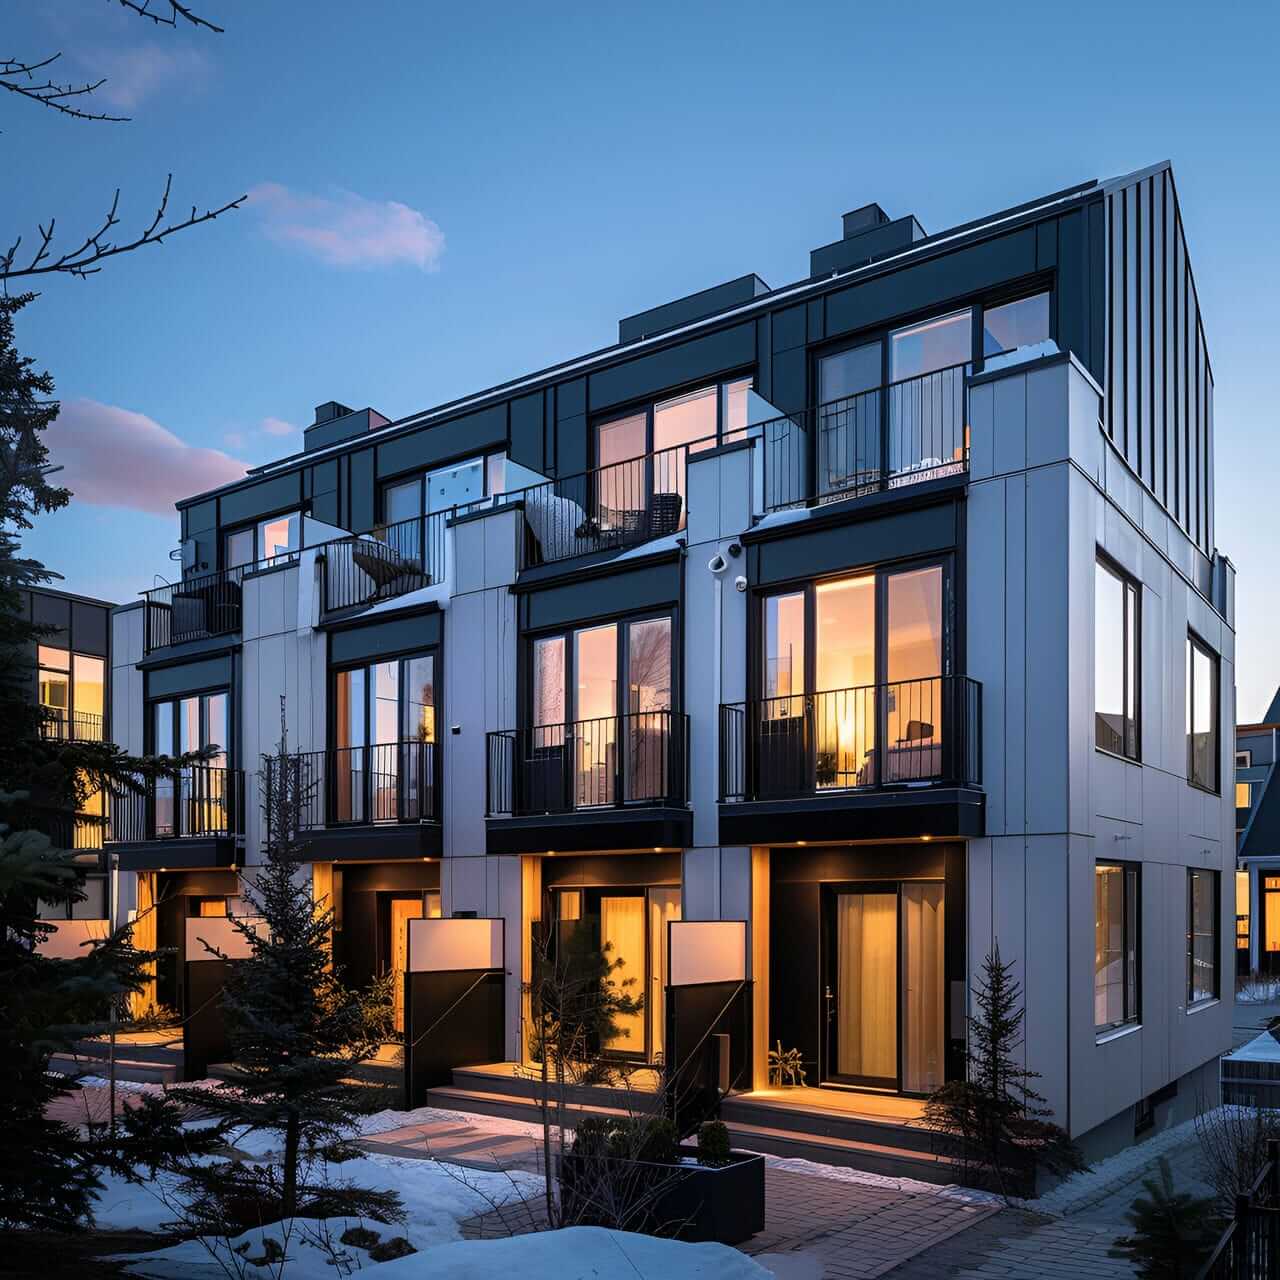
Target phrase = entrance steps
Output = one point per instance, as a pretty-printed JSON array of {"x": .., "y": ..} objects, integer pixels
[
  {"x": 834, "y": 1132},
  {"x": 150, "y": 1060},
  {"x": 499, "y": 1090}
]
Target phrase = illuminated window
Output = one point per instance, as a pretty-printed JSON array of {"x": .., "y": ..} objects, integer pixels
[
  {"x": 1202, "y": 935},
  {"x": 1116, "y": 648},
  {"x": 1202, "y": 715},
  {"x": 1115, "y": 963}
]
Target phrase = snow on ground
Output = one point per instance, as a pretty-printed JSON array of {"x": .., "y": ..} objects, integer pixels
[
  {"x": 577, "y": 1253},
  {"x": 389, "y": 1121},
  {"x": 1258, "y": 991}
]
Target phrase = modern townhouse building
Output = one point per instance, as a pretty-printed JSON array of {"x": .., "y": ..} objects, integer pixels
[
  {"x": 1258, "y": 846},
  {"x": 867, "y": 622},
  {"x": 70, "y": 664}
]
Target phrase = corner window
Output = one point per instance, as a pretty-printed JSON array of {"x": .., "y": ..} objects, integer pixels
[
  {"x": 72, "y": 692},
  {"x": 1116, "y": 650},
  {"x": 1202, "y": 715},
  {"x": 1202, "y": 936},
  {"x": 1115, "y": 958},
  {"x": 1022, "y": 323}
]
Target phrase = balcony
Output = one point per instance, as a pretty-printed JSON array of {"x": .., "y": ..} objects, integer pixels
[
  {"x": 608, "y": 508},
  {"x": 197, "y": 608},
  {"x": 389, "y": 562},
  {"x": 887, "y": 438},
  {"x": 195, "y": 819},
  {"x": 881, "y": 761},
  {"x": 79, "y": 726},
  {"x": 364, "y": 802},
  {"x": 614, "y": 782}
]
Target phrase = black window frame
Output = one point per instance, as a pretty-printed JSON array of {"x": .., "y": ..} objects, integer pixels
[
  {"x": 1132, "y": 611},
  {"x": 1131, "y": 1017},
  {"x": 301, "y": 510},
  {"x": 566, "y": 632},
  {"x": 1215, "y": 879},
  {"x": 175, "y": 701},
  {"x": 420, "y": 474},
  {"x": 646, "y": 406},
  {"x": 1215, "y": 713},
  {"x": 946, "y": 561},
  {"x": 401, "y": 658}
]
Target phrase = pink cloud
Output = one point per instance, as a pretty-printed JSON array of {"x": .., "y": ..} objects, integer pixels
[
  {"x": 113, "y": 457},
  {"x": 346, "y": 230},
  {"x": 136, "y": 74},
  {"x": 278, "y": 427}
]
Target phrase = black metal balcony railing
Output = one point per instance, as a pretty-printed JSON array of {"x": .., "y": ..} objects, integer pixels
[
  {"x": 196, "y": 608},
  {"x": 608, "y": 508},
  {"x": 80, "y": 726},
  {"x": 391, "y": 561},
  {"x": 892, "y": 436},
  {"x": 386, "y": 782},
  {"x": 609, "y": 762},
  {"x": 202, "y": 800},
  {"x": 888, "y": 735}
]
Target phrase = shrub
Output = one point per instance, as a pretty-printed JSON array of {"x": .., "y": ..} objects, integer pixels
[
  {"x": 713, "y": 1144},
  {"x": 389, "y": 1250},
  {"x": 360, "y": 1237}
]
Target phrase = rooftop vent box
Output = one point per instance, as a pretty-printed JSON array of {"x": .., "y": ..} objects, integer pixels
[
  {"x": 869, "y": 233},
  {"x": 335, "y": 423},
  {"x": 697, "y": 306}
]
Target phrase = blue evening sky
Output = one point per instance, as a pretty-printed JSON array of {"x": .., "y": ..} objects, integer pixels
[{"x": 448, "y": 196}]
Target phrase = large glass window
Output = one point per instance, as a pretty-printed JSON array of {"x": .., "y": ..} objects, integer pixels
[
  {"x": 195, "y": 802},
  {"x": 384, "y": 727},
  {"x": 1116, "y": 648},
  {"x": 849, "y": 419},
  {"x": 1115, "y": 964},
  {"x": 689, "y": 419},
  {"x": 71, "y": 689},
  {"x": 1202, "y": 715},
  {"x": 1202, "y": 935},
  {"x": 619, "y": 725},
  {"x": 873, "y": 678},
  {"x": 940, "y": 343},
  {"x": 1015, "y": 324}
]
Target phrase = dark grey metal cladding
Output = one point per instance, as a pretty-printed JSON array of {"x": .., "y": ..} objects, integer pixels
[
  {"x": 345, "y": 426},
  {"x": 865, "y": 245},
  {"x": 580, "y": 597},
  {"x": 1159, "y": 382},
  {"x": 696, "y": 306}
]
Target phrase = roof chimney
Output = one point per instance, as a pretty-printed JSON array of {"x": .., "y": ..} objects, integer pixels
[
  {"x": 868, "y": 233},
  {"x": 335, "y": 422}
]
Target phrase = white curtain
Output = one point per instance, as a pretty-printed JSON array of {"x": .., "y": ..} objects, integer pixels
[
  {"x": 664, "y": 906},
  {"x": 867, "y": 985},
  {"x": 622, "y": 925},
  {"x": 922, "y": 971}
]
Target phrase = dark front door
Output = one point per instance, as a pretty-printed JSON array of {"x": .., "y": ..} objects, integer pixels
[{"x": 883, "y": 985}]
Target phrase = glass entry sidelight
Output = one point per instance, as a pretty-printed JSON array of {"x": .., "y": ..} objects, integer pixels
[
  {"x": 627, "y": 924},
  {"x": 400, "y": 911},
  {"x": 883, "y": 987}
]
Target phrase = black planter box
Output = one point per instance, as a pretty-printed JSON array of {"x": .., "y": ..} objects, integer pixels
[{"x": 697, "y": 1203}]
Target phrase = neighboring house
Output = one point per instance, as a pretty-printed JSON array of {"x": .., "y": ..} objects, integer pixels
[
  {"x": 1258, "y": 835},
  {"x": 70, "y": 667},
  {"x": 881, "y": 612}
]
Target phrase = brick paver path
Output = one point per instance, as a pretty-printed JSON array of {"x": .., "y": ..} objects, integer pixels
[{"x": 852, "y": 1231}]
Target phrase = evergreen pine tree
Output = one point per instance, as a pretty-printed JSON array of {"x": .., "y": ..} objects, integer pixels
[
  {"x": 993, "y": 1122},
  {"x": 296, "y": 1031},
  {"x": 47, "y": 1168},
  {"x": 1173, "y": 1231}
]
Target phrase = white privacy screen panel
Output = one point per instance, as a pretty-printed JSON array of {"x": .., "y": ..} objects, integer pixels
[{"x": 707, "y": 951}]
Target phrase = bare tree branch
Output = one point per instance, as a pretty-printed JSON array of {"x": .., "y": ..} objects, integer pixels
[
  {"x": 143, "y": 9},
  {"x": 82, "y": 261},
  {"x": 16, "y": 76}
]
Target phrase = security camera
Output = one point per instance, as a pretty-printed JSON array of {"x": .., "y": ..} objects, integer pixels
[
  {"x": 740, "y": 582},
  {"x": 717, "y": 563},
  {"x": 735, "y": 549}
]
